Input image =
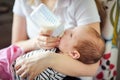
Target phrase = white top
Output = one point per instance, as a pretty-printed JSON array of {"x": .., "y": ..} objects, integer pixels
[{"x": 72, "y": 12}]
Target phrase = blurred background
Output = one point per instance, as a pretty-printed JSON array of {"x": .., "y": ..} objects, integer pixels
[
  {"x": 6, "y": 26},
  {"x": 5, "y": 22}
]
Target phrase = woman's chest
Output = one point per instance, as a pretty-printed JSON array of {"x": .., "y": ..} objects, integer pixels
[{"x": 66, "y": 18}]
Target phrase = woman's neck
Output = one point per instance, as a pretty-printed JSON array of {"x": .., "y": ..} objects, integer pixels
[{"x": 49, "y": 3}]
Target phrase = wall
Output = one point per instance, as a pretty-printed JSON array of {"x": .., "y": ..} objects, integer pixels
[
  {"x": 5, "y": 22},
  {"x": 118, "y": 66}
]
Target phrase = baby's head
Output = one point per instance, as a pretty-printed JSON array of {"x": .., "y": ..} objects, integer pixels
[{"x": 83, "y": 43}]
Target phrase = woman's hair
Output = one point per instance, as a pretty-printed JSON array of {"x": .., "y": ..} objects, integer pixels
[
  {"x": 101, "y": 11},
  {"x": 31, "y": 2}
]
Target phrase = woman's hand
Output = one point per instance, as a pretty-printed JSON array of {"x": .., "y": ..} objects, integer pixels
[
  {"x": 32, "y": 66},
  {"x": 45, "y": 40}
]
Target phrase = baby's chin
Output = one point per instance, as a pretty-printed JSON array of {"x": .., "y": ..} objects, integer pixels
[{"x": 61, "y": 48}]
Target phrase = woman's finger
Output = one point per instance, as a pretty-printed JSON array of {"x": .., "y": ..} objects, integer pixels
[
  {"x": 31, "y": 77},
  {"x": 45, "y": 31},
  {"x": 45, "y": 45},
  {"x": 17, "y": 67},
  {"x": 21, "y": 70},
  {"x": 24, "y": 74},
  {"x": 47, "y": 42},
  {"x": 18, "y": 63},
  {"x": 48, "y": 39}
]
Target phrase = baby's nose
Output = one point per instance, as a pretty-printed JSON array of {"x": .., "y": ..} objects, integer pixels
[{"x": 66, "y": 31}]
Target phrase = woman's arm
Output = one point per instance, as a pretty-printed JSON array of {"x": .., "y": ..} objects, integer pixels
[
  {"x": 20, "y": 38},
  {"x": 95, "y": 25},
  {"x": 19, "y": 28},
  {"x": 64, "y": 64},
  {"x": 19, "y": 33}
]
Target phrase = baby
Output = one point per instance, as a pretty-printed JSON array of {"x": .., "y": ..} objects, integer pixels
[{"x": 81, "y": 43}]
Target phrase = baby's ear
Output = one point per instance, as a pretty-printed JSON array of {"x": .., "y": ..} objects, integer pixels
[{"x": 74, "y": 54}]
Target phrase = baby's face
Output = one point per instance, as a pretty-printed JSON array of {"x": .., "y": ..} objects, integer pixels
[{"x": 71, "y": 38}]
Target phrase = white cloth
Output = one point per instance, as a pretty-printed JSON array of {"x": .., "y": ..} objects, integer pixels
[{"x": 71, "y": 12}]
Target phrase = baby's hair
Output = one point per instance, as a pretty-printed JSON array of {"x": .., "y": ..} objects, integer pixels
[{"x": 91, "y": 50}]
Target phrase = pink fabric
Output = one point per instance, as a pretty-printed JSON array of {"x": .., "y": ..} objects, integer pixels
[{"x": 7, "y": 57}]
